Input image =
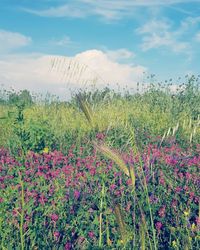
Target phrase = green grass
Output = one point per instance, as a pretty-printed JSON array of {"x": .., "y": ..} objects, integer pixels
[
  {"x": 127, "y": 158},
  {"x": 155, "y": 112}
]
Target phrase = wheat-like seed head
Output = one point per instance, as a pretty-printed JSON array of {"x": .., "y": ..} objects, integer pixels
[
  {"x": 85, "y": 108},
  {"x": 112, "y": 156}
]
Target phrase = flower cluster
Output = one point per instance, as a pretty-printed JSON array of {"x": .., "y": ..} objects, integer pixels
[{"x": 59, "y": 195}]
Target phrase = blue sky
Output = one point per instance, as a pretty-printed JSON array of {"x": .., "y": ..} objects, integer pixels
[{"x": 118, "y": 40}]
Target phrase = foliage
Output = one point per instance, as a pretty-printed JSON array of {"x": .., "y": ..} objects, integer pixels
[
  {"x": 22, "y": 98},
  {"x": 155, "y": 112},
  {"x": 103, "y": 171}
]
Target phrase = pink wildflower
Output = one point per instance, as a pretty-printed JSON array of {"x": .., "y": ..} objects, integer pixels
[
  {"x": 76, "y": 194},
  {"x": 54, "y": 217},
  {"x": 91, "y": 234},
  {"x": 56, "y": 235},
  {"x": 161, "y": 211},
  {"x": 68, "y": 246},
  {"x": 158, "y": 226}
]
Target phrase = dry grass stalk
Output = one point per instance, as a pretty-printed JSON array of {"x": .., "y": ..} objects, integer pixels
[
  {"x": 112, "y": 156},
  {"x": 85, "y": 108},
  {"x": 125, "y": 235}
]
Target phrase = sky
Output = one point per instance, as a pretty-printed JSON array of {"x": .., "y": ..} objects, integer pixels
[{"x": 58, "y": 46}]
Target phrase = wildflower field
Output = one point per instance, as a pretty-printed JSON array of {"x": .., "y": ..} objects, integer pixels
[{"x": 103, "y": 171}]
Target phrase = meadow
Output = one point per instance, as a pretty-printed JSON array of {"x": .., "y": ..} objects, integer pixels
[{"x": 102, "y": 171}]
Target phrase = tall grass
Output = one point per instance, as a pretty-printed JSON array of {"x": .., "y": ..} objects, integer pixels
[
  {"x": 108, "y": 125},
  {"x": 156, "y": 112},
  {"x": 106, "y": 151}
]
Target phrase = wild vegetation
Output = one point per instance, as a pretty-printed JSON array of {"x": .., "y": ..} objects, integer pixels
[{"x": 102, "y": 171}]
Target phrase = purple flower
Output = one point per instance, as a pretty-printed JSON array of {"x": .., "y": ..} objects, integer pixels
[
  {"x": 191, "y": 195},
  {"x": 161, "y": 211},
  {"x": 68, "y": 246},
  {"x": 153, "y": 199},
  {"x": 158, "y": 226},
  {"x": 197, "y": 221},
  {"x": 174, "y": 204},
  {"x": 100, "y": 136},
  {"x": 56, "y": 235},
  {"x": 54, "y": 217},
  {"x": 91, "y": 234},
  {"x": 112, "y": 187},
  {"x": 188, "y": 176},
  {"x": 42, "y": 200},
  {"x": 178, "y": 189},
  {"x": 80, "y": 240},
  {"x": 162, "y": 181},
  {"x": 76, "y": 194},
  {"x": 128, "y": 207}
]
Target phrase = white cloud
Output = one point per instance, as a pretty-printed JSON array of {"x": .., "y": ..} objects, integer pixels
[
  {"x": 158, "y": 33},
  {"x": 42, "y": 73},
  {"x": 108, "y": 9},
  {"x": 63, "y": 42},
  {"x": 112, "y": 72},
  {"x": 10, "y": 41},
  {"x": 66, "y": 10},
  {"x": 120, "y": 54},
  {"x": 125, "y": 4},
  {"x": 197, "y": 36},
  {"x": 189, "y": 24}
]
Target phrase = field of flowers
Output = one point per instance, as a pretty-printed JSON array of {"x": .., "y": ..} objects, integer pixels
[
  {"x": 123, "y": 174},
  {"x": 81, "y": 201}
]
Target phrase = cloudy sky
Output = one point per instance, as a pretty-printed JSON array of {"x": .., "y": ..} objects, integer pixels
[{"x": 59, "y": 45}]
